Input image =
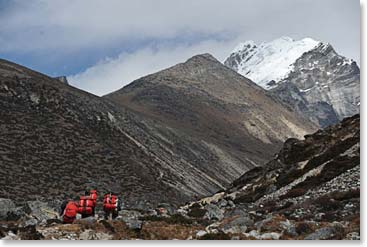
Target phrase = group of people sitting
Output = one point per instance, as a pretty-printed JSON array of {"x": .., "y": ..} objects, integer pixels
[{"x": 87, "y": 205}]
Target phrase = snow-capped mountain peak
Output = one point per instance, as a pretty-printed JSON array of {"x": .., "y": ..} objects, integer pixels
[
  {"x": 269, "y": 61},
  {"x": 308, "y": 75}
]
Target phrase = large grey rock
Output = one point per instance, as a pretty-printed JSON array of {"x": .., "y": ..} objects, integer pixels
[
  {"x": 213, "y": 212},
  {"x": 324, "y": 233},
  {"x": 131, "y": 218},
  {"x": 238, "y": 225},
  {"x": 271, "y": 235},
  {"x": 30, "y": 222},
  {"x": 9, "y": 211},
  {"x": 41, "y": 210},
  {"x": 260, "y": 225},
  {"x": 353, "y": 236},
  {"x": 289, "y": 228},
  {"x": 254, "y": 234},
  {"x": 93, "y": 235},
  {"x": 222, "y": 203},
  {"x": 134, "y": 224},
  {"x": 201, "y": 233}
]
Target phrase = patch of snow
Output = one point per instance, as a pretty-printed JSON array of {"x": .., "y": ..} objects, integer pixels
[
  {"x": 271, "y": 60},
  {"x": 306, "y": 90},
  {"x": 35, "y": 98},
  {"x": 111, "y": 117}
]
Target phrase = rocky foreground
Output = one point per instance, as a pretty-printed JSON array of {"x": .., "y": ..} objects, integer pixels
[{"x": 310, "y": 190}]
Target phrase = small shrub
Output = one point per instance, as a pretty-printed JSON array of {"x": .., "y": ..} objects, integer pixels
[
  {"x": 195, "y": 205},
  {"x": 215, "y": 236},
  {"x": 285, "y": 206},
  {"x": 151, "y": 218},
  {"x": 174, "y": 219},
  {"x": 345, "y": 195},
  {"x": 196, "y": 212},
  {"x": 327, "y": 203},
  {"x": 178, "y": 219},
  {"x": 293, "y": 193},
  {"x": 330, "y": 217},
  {"x": 304, "y": 228}
]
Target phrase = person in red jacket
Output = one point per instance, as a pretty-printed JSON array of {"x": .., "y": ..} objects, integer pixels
[
  {"x": 111, "y": 205},
  {"x": 93, "y": 196},
  {"x": 68, "y": 212},
  {"x": 87, "y": 205}
]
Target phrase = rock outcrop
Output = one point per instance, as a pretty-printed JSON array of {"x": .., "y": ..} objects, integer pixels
[{"x": 310, "y": 191}]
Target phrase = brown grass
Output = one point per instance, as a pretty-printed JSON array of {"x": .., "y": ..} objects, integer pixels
[{"x": 165, "y": 231}]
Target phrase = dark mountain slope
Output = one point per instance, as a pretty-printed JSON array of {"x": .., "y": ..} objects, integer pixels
[{"x": 56, "y": 140}]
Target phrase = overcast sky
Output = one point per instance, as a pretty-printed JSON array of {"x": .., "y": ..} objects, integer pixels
[{"x": 104, "y": 45}]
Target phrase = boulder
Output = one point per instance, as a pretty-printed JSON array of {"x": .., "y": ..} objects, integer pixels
[
  {"x": 324, "y": 233},
  {"x": 288, "y": 228},
  {"x": 353, "y": 236},
  {"x": 9, "y": 211},
  {"x": 222, "y": 203},
  {"x": 10, "y": 236},
  {"x": 30, "y": 222},
  {"x": 270, "y": 235},
  {"x": 231, "y": 204},
  {"x": 131, "y": 219},
  {"x": 253, "y": 233},
  {"x": 236, "y": 212},
  {"x": 213, "y": 212},
  {"x": 93, "y": 235},
  {"x": 201, "y": 233},
  {"x": 41, "y": 210},
  {"x": 134, "y": 224},
  {"x": 237, "y": 225}
]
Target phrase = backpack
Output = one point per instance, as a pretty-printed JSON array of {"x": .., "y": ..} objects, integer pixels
[
  {"x": 70, "y": 212},
  {"x": 86, "y": 205},
  {"x": 93, "y": 196},
  {"x": 110, "y": 202}
]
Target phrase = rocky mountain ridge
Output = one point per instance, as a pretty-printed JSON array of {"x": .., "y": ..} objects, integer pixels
[
  {"x": 308, "y": 75},
  {"x": 203, "y": 98}
]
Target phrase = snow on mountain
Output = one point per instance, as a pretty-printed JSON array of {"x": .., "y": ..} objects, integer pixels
[
  {"x": 307, "y": 75},
  {"x": 269, "y": 61}
]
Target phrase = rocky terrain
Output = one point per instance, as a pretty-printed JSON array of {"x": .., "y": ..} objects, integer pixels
[
  {"x": 310, "y": 76},
  {"x": 310, "y": 190},
  {"x": 57, "y": 140}
]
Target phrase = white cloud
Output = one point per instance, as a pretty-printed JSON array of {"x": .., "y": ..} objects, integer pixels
[
  {"x": 111, "y": 74},
  {"x": 55, "y": 29},
  {"x": 58, "y": 25}
]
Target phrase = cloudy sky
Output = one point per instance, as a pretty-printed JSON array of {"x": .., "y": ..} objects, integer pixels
[{"x": 103, "y": 45}]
